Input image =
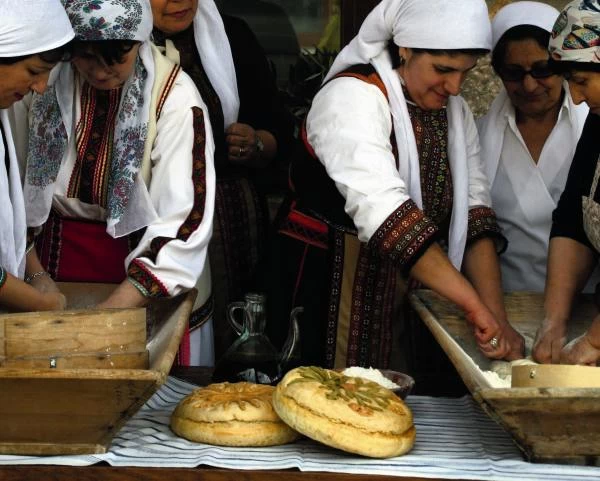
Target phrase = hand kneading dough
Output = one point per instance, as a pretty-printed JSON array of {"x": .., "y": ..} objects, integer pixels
[
  {"x": 348, "y": 413},
  {"x": 239, "y": 414}
]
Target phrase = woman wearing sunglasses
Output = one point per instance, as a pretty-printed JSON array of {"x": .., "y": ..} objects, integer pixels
[
  {"x": 528, "y": 139},
  {"x": 575, "y": 235}
]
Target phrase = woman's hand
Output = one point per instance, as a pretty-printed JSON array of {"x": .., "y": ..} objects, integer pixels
[
  {"x": 580, "y": 351},
  {"x": 515, "y": 341},
  {"x": 52, "y": 301},
  {"x": 497, "y": 340},
  {"x": 549, "y": 340},
  {"x": 44, "y": 283},
  {"x": 244, "y": 146},
  {"x": 490, "y": 335}
]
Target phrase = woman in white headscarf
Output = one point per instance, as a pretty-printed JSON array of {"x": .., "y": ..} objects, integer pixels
[
  {"x": 30, "y": 46},
  {"x": 392, "y": 185},
  {"x": 528, "y": 139},
  {"x": 120, "y": 176},
  {"x": 575, "y": 236}
]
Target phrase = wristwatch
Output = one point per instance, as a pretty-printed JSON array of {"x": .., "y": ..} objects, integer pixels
[{"x": 258, "y": 143}]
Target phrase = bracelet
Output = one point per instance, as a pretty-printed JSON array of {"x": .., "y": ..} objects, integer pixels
[
  {"x": 35, "y": 275},
  {"x": 3, "y": 276}
]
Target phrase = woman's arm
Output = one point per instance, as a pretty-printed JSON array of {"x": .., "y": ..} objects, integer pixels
[
  {"x": 172, "y": 253},
  {"x": 434, "y": 270},
  {"x": 570, "y": 264},
  {"x": 481, "y": 267},
  {"x": 20, "y": 296}
]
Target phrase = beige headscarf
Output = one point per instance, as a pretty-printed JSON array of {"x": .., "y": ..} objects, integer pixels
[
  {"x": 435, "y": 24},
  {"x": 576, "y": 33}
]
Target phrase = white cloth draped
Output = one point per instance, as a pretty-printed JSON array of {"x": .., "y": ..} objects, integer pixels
[
  {"x": 12, "y": 210},
  {"x": 32, "y": 26},
  {"x": 439, "y": 25},
  {"x": 215, "y": 55}
]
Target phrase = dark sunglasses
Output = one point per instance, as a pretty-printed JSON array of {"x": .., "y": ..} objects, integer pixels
[{"x": 517, "y": 74}]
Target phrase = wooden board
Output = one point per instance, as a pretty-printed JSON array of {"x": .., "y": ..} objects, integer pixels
[
  {"x": 100, "y": 360},
  {"x": 57, "y": 333},
  {"x": 549, "y": 375},
  {"x": 558, "y": 425},
  {"x": 77, "y": 411}
]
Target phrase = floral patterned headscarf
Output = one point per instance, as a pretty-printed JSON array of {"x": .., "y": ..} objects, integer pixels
[
  {"x": 53, "y": 116},
  {"x": 576, "y": 33}
]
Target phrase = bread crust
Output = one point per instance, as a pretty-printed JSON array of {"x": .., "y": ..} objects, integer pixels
[
  {"x": 348, "y": 413},
  {"x": 238, "y": 414}
]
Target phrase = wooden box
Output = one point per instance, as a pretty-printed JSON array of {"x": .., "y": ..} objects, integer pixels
[
  {"x": 77, "y": 376},
  {"x": 550, "y": 424}
]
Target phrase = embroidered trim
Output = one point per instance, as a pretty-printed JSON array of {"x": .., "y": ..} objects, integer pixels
[
  {"x": 167, "y": 88},
  {"x": 483, "y": 223},
  {"x": 193, "y": 220},
  {"x": 335, "y": 293},
  {"x": 94, "y": 145},
  {"x": 305, "y": 229},
  {"x": 145, "y": 281},
  {"x": 404, "y": 235}
]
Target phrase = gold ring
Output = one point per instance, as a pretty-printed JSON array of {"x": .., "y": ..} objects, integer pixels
[{"x": 494, "y": 342}]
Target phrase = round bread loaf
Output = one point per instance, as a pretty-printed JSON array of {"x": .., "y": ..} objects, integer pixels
[
  {"x": 239, "y": 414},
  {"x": 348, "y": 413}
]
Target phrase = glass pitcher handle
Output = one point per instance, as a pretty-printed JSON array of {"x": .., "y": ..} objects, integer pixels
[{"x": 237, "y": 327}]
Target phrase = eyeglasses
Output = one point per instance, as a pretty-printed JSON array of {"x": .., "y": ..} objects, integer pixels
[{"x": 517, "y": 74}]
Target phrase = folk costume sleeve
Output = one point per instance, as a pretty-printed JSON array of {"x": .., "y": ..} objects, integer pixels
[
  {"x": 349, "y": 128},
  {"x": 173, "y": 250}
]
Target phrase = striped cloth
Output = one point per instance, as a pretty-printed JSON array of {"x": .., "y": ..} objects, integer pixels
[{"x": 455, "y": 440}]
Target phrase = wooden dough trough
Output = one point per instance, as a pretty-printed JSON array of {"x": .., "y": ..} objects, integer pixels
[
  {"x": 548, "y": 422},
  {"x": 70, "y": 379}
]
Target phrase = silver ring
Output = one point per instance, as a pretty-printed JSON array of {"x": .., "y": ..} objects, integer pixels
[
  {"x": 494, "y": 342},
  {"x": 242, "y": 150},
  {"x": 239, "y": 152}
]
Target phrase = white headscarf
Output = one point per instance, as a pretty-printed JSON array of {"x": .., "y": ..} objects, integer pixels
[
  {"x": 215, "y": 55},
  {"x": 32, "y": 26},
  {"x": 493, "y": 125},
  {"x": 26, "y": 27},
  {"x": 52, "y": 118},
  {"x": 435, "y": 24},
  {"x": 522, "y": 13}
]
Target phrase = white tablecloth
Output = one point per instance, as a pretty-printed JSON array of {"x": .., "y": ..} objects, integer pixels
[{"x": 455, "y": 440}]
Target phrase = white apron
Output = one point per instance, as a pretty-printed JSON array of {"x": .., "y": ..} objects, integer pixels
[{"x": 524, "y": 195}]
